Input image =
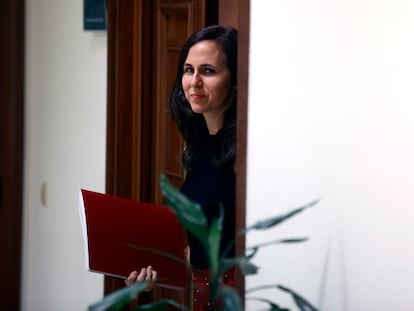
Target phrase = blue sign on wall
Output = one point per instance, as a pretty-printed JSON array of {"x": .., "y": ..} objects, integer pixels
[{"x": 94, "y": 15}]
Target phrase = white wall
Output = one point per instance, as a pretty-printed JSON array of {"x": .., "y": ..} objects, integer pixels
[
  {"x": 64, "y": 148},
  {"x": 331, "y": 115}
]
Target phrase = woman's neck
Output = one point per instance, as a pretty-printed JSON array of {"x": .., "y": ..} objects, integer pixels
[{"x": 214, "y": 123}]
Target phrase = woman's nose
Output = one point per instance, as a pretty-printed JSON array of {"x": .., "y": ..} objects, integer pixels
[{"x": 196, "y": 81}]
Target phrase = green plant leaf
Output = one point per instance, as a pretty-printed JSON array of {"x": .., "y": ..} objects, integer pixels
[
  {"x": 244, "y": 263},
  {"x": 155, "y": 251},
  {"x": 273, "y": 221},
  {"x": 189, "y": 214},
  {"x": 282, "y": 241},
  {"x": 301, "y": 302},
  {"x": 273, "y": 306},
  {"x": 214, "y": 238},
  {"x": 186, "y": 208},
  {"x": 246, "y": 267},
  {"x": 253, "y": 253},
  {"x": 268, "y": 223},
  {"x": 119, "y": 298},
  {"x": 230, "y": 299}
]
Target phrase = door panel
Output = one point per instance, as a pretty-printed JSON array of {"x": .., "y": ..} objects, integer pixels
[{"x": 174, "y": 22}]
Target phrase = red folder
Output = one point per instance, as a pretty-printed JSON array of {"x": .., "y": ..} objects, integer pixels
[{"x": 122, "y": 235}]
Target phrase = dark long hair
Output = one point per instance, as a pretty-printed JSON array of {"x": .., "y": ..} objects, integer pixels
[{"x": 192, "y": 126}]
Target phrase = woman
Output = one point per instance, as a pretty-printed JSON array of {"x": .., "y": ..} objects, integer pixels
[{"x": 203, "y": 104}]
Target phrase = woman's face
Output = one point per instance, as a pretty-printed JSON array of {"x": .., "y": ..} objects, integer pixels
[{"x": 206, "y": 80}]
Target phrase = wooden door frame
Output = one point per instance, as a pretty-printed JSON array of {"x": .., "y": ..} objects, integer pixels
[
  {"x": 126, "y": 176},
  {"x": 11, "y": 142},
  {"x": 126, "y": 172},
  {"x": 243, "y": 25}
]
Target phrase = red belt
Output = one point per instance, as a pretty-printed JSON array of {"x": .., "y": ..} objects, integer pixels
[{"x": 201, "y": 287}]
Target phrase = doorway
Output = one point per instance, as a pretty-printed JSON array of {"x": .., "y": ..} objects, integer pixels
[{"x": 144, "y": 38}]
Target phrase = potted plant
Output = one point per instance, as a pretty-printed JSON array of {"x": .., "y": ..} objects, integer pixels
[{"x": 192, "y": 218}]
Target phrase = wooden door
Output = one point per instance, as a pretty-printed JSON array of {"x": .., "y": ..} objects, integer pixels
[
  {"x": 174, "y": 21},
  {"x": 144, "y": 40}
]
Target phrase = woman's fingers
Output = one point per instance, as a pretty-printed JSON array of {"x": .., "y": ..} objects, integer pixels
[
  {"x": 154, "y": 275},
  {"x": 142, "y": 275},
  {"x": 151, "y": 275},
  {"x": 147, "y": 274},
  {"x": 132, "y": 278}
]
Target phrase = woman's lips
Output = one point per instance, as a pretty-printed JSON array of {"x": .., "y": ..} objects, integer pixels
[{"x": 197, "y": 96}]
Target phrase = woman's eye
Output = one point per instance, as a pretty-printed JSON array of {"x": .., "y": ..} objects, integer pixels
[
  {"x": 209, "y": 71},
  {"x": 188, "y": 70}
]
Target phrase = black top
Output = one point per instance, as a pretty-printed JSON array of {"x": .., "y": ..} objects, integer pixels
[{"x": 210, "y": 185}]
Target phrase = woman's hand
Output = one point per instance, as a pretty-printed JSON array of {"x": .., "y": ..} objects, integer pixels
[{"x": 144, "y": 275}]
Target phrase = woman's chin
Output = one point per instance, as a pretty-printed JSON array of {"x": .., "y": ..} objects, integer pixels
[{"x": 197, "y": 109}]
